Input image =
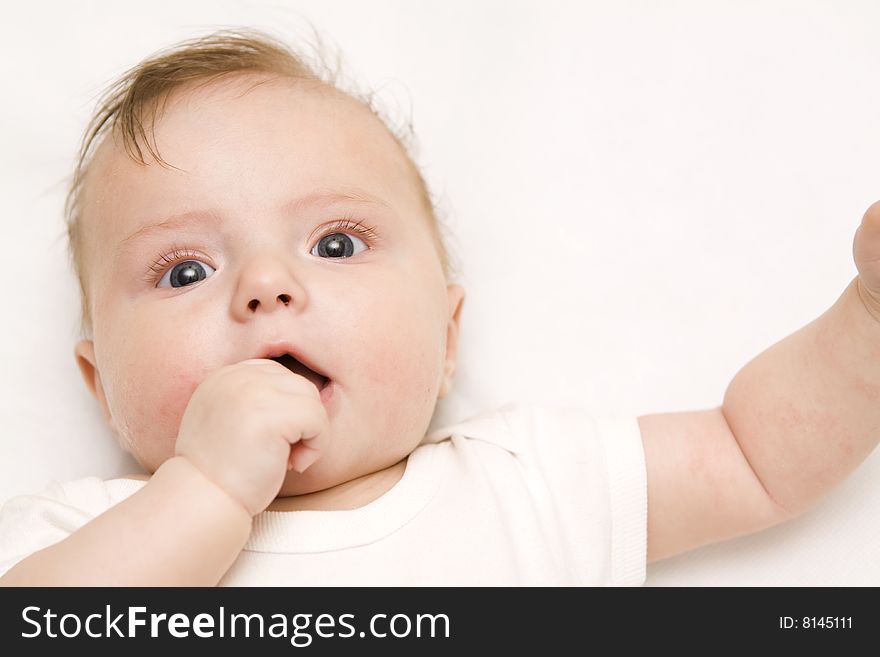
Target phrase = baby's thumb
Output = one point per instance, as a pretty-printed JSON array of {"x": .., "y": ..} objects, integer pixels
[{"x": 866, "y": 249}]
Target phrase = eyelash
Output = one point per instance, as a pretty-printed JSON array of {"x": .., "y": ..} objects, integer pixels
[{"x": 182, "y": 254}]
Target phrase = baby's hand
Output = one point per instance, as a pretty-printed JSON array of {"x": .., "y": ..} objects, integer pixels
[
  {"x": 866, "y": 252},
  {"x": 248, "y": 424}
]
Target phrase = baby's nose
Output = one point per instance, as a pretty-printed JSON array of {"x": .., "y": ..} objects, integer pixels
[
  {"x": 255, "y": 303},
  {"x": 265, "y": 284}
]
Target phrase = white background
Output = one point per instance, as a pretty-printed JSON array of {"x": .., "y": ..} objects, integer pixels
[{"x": 644, "y": 196}]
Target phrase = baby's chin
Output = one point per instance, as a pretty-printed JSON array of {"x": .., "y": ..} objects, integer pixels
[
  {"x": 313, "y": 480},
  {"x": 324, "y": 491},
  {"x": 322, "y": 479}
]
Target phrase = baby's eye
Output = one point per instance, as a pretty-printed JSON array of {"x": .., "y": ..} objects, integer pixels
[
  {"x": 336, "y": 245},
  {"x": 186, "y": 273}
]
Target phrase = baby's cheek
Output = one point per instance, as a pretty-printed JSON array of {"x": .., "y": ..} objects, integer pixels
[
  {"x": 174, "y": 399},
  {"x": 160, "y": 416},
  {"x": 403, "y": 374}
]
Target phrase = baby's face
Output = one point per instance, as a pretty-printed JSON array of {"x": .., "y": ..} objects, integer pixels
[{"x": 263, "y": 183}]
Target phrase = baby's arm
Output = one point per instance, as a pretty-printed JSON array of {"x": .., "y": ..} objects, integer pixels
[
  {"x": 794, "y": 422},
  {"x": 245, "y": 426},
  {"x": 180, "y": 529}
]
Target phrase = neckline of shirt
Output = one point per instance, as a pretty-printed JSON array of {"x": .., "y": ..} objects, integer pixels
[{"x": 325, "y": 531}]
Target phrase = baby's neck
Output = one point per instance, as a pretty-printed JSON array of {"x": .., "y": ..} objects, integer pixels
[{"x": 349, "y": 495}]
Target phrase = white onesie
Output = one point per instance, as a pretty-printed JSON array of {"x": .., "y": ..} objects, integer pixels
[{"x": 523, "y": 495}]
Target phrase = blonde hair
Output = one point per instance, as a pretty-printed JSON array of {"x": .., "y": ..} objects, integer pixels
[{"x": 135, "y": 96}]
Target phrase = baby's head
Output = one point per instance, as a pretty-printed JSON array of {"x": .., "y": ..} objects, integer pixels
[{"x": 272, "y": 207}]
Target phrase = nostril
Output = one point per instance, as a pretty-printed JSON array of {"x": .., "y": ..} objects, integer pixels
[{"x": 283, "y": 298}]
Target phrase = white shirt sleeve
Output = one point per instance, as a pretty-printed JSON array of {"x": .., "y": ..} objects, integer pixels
[
  {"x": 590, "y": 470},
  {"x": 30, "y": 523},
  {"x": 628, "y": 493}
]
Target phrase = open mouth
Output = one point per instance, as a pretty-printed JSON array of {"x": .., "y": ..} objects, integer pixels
[{"x": 297, "y": 367}]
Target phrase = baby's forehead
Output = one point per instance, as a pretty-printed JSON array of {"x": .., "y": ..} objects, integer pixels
[
  {"x": 346, "y": 141},
  {"x": 280, "y": 104},
  {"x": 225, "y": 90},
  {"x": 268, "y": 108}
]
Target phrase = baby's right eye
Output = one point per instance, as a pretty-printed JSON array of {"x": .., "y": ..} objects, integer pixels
[{"x": 186, "y": 273}]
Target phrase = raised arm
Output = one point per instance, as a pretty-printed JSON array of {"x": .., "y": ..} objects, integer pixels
[{"x": 795, "y": 421}]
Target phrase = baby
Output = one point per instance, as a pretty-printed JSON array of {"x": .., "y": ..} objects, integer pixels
[{"x": 268, "y": 325}]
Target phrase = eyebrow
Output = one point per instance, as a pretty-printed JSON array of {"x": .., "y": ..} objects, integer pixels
[{"x": 201, "y": 217}]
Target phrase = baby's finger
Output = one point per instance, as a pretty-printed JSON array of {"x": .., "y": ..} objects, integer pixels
[
  {"x": 866, "y": 244},
  {"x": 292, "y": 381},
  {"x": 307, "y": 451},
  {"x": 310, "y": 437},
  {"x": 302, "y": 456},
  {"x": 866, "y": 253}
]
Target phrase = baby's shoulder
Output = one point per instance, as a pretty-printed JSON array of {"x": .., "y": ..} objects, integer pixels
[
  {"x": 512, "y": 424},
  {"x": 92, "y": 495}
]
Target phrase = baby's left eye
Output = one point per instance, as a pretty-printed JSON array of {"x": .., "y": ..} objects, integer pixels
[{"x": 336, "y": 245}]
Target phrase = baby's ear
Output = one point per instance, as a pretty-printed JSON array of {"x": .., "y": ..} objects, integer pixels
[
  {"x": 455, "y": 294},
  {"x": 84, "y": 353}
]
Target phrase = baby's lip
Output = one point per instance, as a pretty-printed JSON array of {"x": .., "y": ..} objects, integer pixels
[
  {"x": 319, "y": 380},
  {"x": 276, "y": 349}
]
